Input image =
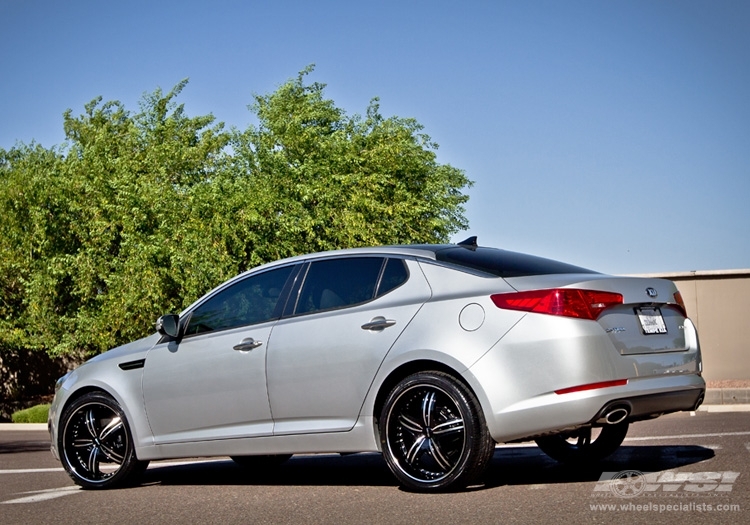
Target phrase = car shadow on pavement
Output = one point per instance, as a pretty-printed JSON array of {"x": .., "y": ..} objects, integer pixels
[
  {"x": 527, "y": 465},
  {"x": 366, "y": 469},
  {"x": 16, "y": 447},
  {"x": 511, "y": 465}
]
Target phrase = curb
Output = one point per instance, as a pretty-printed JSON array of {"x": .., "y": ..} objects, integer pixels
[
  {"x": 732, "y": 407},
  {"x": 23, "y": 426},
  {"x": 727, "y": 396}
]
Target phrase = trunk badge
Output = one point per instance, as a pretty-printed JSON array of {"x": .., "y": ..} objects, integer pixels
[{"x": 651, "y": 292}]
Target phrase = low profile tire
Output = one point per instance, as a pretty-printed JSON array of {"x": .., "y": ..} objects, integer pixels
[
  {"x": 585, "y": 445},
  {"x": 433, "y": 434},
  {"x": 95, "y": 443},
  {"x": 261, "y": 463}
]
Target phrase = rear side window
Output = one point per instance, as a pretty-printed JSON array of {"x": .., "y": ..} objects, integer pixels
[
  {"x": 502, "y": 263},
  {"x": 336, "y": 283},
  {"x": 394, "y": 275}
]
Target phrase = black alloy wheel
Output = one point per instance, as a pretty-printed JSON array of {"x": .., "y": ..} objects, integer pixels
[
  {"x": 95, "y": 443},
  {"x": 433, "y": 434}
]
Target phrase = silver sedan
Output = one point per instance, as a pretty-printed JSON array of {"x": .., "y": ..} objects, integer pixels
[{"x": 430, "y": 354}]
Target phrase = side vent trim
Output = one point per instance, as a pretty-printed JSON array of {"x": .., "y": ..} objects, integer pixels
[{"x": 132, "y": 365}]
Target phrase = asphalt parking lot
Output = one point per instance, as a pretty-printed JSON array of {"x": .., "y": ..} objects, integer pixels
[{"x": 675, "y": 468}]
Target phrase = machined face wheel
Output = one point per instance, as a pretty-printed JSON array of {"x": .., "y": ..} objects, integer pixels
[
  {"x": 433, "y": 433},
  {"x": 427, "y": 431},
  {"x": 95, "y": 443}
]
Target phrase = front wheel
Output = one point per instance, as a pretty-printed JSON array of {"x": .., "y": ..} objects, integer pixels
[
  {"x": 584, "y": 445},
  {"x": 433, "y": 434},
  {"x": 95, "y": 443}
]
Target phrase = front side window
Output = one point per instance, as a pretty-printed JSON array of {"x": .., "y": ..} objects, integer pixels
[
  {"x": 336, "y": 283},
  {"x": 249, "y": 301}
]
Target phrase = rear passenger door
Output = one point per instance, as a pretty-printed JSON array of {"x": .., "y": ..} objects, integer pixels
[{"x": 344, "y": 318}]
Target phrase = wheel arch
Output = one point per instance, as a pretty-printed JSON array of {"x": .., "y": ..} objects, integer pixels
[
  {"x": 137, "y": 423},
  {"x": 407, "y": 369}
]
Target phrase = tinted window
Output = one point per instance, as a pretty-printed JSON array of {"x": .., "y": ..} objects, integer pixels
[
  {"x": 335, "y": 283},
  {"x": 394, "y": 275},
  {"x": 249, "y": 301},
  {"x": 504, "y": 263}
]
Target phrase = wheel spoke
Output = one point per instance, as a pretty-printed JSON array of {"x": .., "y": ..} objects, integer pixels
[
  {"x": 90, "y": 423},
  {"x": 428, "y": 405},
  {"x": 93, "y": 463},
  {"x": 111, "y": 454},
  {"x": 438, "y": 455},
  {"x": 409, "y": 424},
  {"x": 82, "y": 443},
  {"x": 113, "y": 426},
  {"x": 413, "y": 453},
  {"x": 454, "y": 425}
]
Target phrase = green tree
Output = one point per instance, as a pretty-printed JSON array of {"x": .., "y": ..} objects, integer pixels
[
  {"x": 140, "y": 214},
  {"x": 323, "y": 180}
]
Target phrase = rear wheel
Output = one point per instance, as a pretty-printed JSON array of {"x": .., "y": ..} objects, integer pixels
[
  {"x": 584, "y": 445},
  {"x": 433, "y": 434},
  {"x": 95, "y": 443}
]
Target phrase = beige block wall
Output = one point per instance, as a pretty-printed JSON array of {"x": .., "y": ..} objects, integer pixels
[{"x": 719, "y": 305}]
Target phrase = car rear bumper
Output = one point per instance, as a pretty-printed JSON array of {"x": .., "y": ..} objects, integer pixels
[
  {"x": 552, "y": 413},
  {"x": 652, "y": 405}
]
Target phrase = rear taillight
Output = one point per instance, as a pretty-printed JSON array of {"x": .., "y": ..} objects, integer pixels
[
  {"x": 567, "y": 302},
  {"x": 680, "y": 302}
]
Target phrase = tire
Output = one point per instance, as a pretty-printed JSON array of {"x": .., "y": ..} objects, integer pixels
[
  {"x": 95, "y": 443},
  {"x": 584, "y": 445},
  {"x": 261, "y": 463},
  {"x": 433, "y": 434}
]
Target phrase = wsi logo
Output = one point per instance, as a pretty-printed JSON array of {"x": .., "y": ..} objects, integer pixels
[{"x": 632, "y": 483}]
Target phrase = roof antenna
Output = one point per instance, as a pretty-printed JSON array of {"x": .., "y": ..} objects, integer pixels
[{"x": 471, "y": 242}]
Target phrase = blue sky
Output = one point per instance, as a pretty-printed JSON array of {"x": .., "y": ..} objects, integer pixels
[{"x": 612, "y": 135}]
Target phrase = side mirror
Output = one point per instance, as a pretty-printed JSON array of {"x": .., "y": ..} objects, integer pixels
[{"x": 168, "y": 325}]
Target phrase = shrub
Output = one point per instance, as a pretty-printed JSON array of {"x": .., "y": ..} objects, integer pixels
[{"x": 35, "y": 414}]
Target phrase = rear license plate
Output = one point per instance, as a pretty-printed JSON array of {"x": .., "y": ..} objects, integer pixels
[{"x": 651, "y": 320}]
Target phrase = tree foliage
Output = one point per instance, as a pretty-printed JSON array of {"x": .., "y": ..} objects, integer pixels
[{"x": 140, "y": 214}]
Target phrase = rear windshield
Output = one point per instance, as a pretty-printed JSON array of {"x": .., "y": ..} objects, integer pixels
[{"x": 503, "y": 263}]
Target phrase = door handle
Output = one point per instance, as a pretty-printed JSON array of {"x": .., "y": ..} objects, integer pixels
[
  {"x": 378, "y": 324},
  {"x": 247, "y": 344}
]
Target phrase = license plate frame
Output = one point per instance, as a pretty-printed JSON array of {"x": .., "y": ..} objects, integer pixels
[{"x": 651, "y": 319}]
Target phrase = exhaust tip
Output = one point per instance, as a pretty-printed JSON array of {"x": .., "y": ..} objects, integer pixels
[
  {"x": 699, "y": 402},
  {"x": 614, "y": 415}
]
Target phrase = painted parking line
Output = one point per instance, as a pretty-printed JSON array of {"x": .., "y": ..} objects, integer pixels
[
  {"x": 44, "y": 495},
  {"x": 31, "y": 470},
  {"x": 689, "y": 436}
]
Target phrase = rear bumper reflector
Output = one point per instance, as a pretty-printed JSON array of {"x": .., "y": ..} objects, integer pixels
[{"x": 592, "y": 386}]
